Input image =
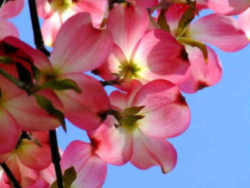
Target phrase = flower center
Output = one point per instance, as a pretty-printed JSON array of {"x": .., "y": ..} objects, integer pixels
[
  {"x": 130, "y": 117},
  {"x": 61, "y": 5},
  {"x": 129, "y": 70}
]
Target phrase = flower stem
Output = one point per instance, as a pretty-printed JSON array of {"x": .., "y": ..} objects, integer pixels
[
  {"x": 36, "y": 28},
  {"x": 56, "y": 157},
  {"x": 11, "y": 177}
]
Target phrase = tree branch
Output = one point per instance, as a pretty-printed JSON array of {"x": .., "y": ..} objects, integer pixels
[
  {"x": 10, "y": 176},
  {"x": 36, "y": 28},
  {"x": 56, "y": 157}
]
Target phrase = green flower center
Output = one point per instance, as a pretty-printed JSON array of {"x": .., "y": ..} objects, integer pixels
[
  {"x": 129, "y": 70},
  {"x": 61, "y": 5},
  {"x": 130, "y": 116}
]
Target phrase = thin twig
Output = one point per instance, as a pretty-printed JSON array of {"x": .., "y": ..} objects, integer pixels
[
  {"x": 56, "y": 157},
  {"x": 36, "y": 28},
  {"x": 11, "y": 177}
]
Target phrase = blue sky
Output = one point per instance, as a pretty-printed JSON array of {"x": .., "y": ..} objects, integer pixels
[{"x": 214, "y": 152}]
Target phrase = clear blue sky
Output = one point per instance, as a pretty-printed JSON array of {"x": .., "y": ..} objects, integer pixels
[{"x": 214, "y": 152}]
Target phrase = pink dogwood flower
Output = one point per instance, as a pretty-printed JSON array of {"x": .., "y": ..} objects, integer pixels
[
  {"x": 28, "y": 159},
  {"x": 214, "y": 29},
  {"x": 77, "y": 50},
  {"x": 139, "y": 52},
  {"x": 56, "y": 12},
  {"x": 145, "y": 117}
]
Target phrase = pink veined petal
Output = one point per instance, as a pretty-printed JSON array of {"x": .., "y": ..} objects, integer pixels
[
  {"x": 91, "y": 170},
  {"x": 114, "y": 145},
  {"x": 228, "y": 7},
  {"x": 202, "y": 73},
  {"x": 9, "y": 133},
  {"x": 127, "y": 25},
  {"x": 44, "y": 9},
  {"x": 50, "y": 28},
  {"x": 243, "y": 20},
  {"x": 84, "y": 109},
  {"x": 144, "y": 3},
  {"x": 165, "y": 111},
  {"x": 220, "y": 31},
  {"x": 92, "y": 175},
  {"x": 96, "y": 9},
  {"x": 34, "y": 156},
  {"x": 76, "y": 154},
  {"x": 174, "y": 14},
  {"x": 148, "y": 152},
  {"x": 7, "y": 29},
  {"x": 28, "y": 113},
  {"x": 11, "y": 9},
  {"x": 161, "y": 56},
  {"x": 40, "y": 183},
  {"x": 119, "y": 99},
  {"x": 83, "y": 48},
  {"x": 36, "y": 56}
]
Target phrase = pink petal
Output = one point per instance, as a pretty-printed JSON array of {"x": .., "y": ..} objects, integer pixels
[
  {"x": 149, "y": 152},
  {"x": 11, "y": 9},
  {"x": 44, "y": 9},
  {"x": 114, "y": 145},
  {"x": 76, "y": 154},
  {"x": 219, "y": 31},
  {"x": 33, "y": 55},
  {"x": 91, "y": 170},
  {"x": 244, "y": 22},
  {"x": 144, "y": 3},
  {"x": 50, "y": 29},
  {"x": 7, "y": 29},
  {"x": 84, "y": 109},
  {"x": 97, "y": 9},
  {"x": 34, "y": 156},
  {"x": 202, "y": 73},
  {"x": 228, "y": 7},
  {"x": 29, "y": 115},
  {"x": 165, "y": 111},
  {"x": 127, "y": 24},
  {"x": 161, "y": 56},
  {"x": 92, "y": 175},
  {"x": 80, "y": 49},
  {"x": 9, "y": 133}
]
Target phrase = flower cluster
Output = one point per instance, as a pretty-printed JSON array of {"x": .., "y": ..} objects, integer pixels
[{"x": 150, "y": 51}]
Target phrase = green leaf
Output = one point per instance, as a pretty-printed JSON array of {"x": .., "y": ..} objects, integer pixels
[
  {"x": 62, "y": 85},
  {"x": 197, "y": 44},
  {"x": 46, "y": 104},
  {"x": 68, "y": 178}
]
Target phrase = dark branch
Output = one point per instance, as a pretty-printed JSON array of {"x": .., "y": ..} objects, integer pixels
[
  {"x": 56, "y": 157},
  {"x": 11, "y": 177},
  {"x": 36, "y": 28}
]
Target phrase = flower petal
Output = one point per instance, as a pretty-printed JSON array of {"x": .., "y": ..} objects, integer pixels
[
  {"x": 202, "y": 73},
  {"x": 165, "y": 111},
  {"x": 149, "y": 152},
  {"x": 80, "y": 49},
  {"x": 9, "y": 133},
  {"x": 220, "y": 31},
  {"x": 127, "y": 25},
  {"x": 84, "y": 109},
  {"x": 114, "y": 145}
]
